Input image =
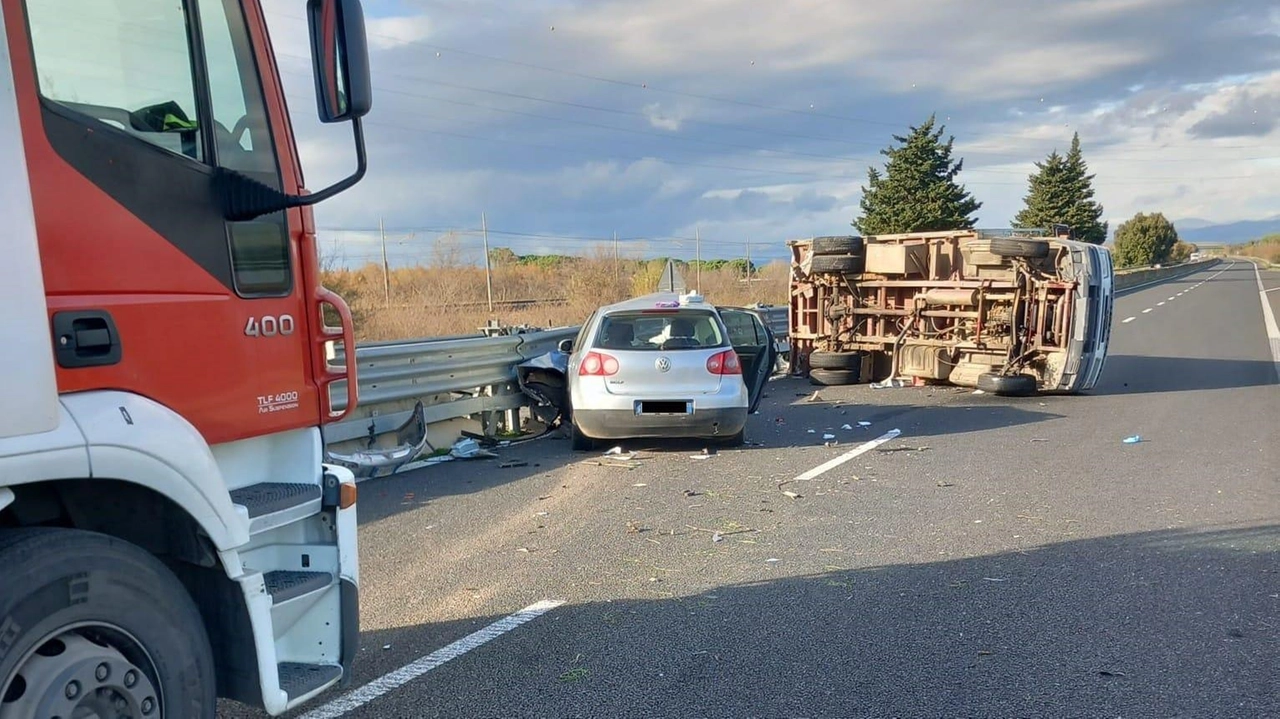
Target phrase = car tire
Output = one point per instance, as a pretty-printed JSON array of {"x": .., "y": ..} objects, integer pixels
[
  {"x": 833, "y": 377},
  {"x": 838, "y": 245},
  {"x": 734, "y": 440},
  {"x": 579, "y": 441},
  {"x": 1009, "y": 247},
  {"x": 1013, "y": 385},
  {"x": 851, "y": 361},
  {"x": 72, "y": 599}
]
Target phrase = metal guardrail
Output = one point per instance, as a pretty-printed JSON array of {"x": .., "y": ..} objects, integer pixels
[{"x": 453, "y": 377}]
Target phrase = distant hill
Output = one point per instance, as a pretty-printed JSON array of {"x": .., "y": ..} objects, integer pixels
[{"x": 1232, "y": 233}]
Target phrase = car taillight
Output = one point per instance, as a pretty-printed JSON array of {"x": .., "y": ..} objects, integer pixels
[
  {"x": 724, "y": 363},
  {"x": 598, "y": 365}
]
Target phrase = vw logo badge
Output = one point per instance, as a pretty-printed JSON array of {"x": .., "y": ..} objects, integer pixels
[{"x": 663, "y": 364}]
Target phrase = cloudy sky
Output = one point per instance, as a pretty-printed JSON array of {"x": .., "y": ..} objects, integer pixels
[{"x": 756, "y": 120}]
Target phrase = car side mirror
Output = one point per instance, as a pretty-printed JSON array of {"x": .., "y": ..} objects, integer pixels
[
  {"x": 565, "y": 346},
  {"x": 340, "y": 54}
]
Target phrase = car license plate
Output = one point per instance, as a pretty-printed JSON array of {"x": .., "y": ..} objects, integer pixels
[{"x": 663, "y": 407}]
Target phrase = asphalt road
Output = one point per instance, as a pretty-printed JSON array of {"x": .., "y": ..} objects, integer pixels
[{"x": 1018, "y": 559}]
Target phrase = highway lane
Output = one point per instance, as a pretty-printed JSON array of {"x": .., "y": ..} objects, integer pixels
[{"x": 1026, "y": 563}]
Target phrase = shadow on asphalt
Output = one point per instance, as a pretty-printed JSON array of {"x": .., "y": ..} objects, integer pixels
[
  {"x": 1168, "y": 623},
  {"x": 1138, "y": 374}
]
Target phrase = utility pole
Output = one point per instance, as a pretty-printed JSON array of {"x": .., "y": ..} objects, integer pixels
[
  {"x": 617, "y": 276},
  {"x": 697, "y": 242},
  {"x": 386, "y": 269},
  {"x": 488, "y": 269},
  {"x": 748, "y": 263}
]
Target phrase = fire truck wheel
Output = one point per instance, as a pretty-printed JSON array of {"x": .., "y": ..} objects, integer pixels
[
  {"x": 1015, "y": 385},
  {"x": 819, "y": 359},
  {"x": 91, "y": 625},
  {"x": 823, "y": 264},
  {"x": 1009, "y": 247},
  {"x": 838, "y": 245},
  {"x": 832, "y": 377}
]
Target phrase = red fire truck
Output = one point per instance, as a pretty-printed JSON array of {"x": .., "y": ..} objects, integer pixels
[{"x": 169, "y": 530}]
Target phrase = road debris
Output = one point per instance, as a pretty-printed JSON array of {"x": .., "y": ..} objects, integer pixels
[
  {"x": 994, "y": 579},
  {"x": 792, "y": 495},
  {"x": 512, "y": 463},
  {"x": 1135, "y": 439},
  {"x": 847, "y": 427},
  {"x": 828, "y": 436},
  {"x": 887, "y": 450},
  {"x": 864, "y": 423}
]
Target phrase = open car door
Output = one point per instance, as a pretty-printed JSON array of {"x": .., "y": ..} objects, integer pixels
[{"x": 754, "y": 343}]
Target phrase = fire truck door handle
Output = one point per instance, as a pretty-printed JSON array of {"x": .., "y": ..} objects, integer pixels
[{"x": 85, "y": 338}]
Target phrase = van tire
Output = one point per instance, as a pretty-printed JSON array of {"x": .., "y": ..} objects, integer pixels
[
  {"x": 1009, "y": 247},
  {"x": 837, "y": 264},
  {"x": 852, "y": 361},
  {"x": 1013, "y": 385},
  {"x": 838, "y": 245},
  {"x": 833, "y": 377}
]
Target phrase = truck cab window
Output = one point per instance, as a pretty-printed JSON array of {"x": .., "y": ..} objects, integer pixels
[
  {"x": 242, "y": 137},
  {"x": 126, "y": 63}
]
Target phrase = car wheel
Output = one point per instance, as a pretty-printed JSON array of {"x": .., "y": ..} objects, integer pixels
[
  {"x": 1013, "y": 385},
  {"x": 580, "y": 441},
  {"x": 92, "y": 621},
  {"x": 832, "y": 377},
  {"x": 734, "y": 440},
  {"x": 838, "y": 245},
  {"x": 1008, "y": 247},
  {"x": 837, "y": 264},
  {"x": 850, "y": 361}
]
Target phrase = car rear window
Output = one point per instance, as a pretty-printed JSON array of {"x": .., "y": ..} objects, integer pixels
[{"x": 659, "y": 330}]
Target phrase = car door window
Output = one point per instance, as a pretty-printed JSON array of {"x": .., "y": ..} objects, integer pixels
[{"x": 743, "y": 328}]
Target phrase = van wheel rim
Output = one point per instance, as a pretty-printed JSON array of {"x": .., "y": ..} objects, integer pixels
[{"x": 84, "y": 673}]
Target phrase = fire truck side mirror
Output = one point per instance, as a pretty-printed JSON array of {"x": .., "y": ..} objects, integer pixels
[{"x": 340, "y": 54}]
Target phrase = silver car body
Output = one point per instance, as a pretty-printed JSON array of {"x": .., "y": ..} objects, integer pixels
[{"x": 658, "y": 349}]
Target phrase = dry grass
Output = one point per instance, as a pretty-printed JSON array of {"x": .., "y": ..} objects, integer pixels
[
  {"x": 1267, "y": 248},
  {"x": 448, "y": 297}
]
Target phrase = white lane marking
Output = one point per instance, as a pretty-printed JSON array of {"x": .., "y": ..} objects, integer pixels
[
  {"x": 860, "y": 449},
  {"x": 1168, "y": 300},
  {"x": 1269, "y": 319},
  {"x": 415, "y": 669},
  {"x": 1273, "y": 289},
  {"x": 1127, "y": 320},
  {"x": 1161, "y": 304},
  {"x": 1147, "y": 310}
]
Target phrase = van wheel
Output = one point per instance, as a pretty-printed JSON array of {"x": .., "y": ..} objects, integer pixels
[
  {"x": 832, "y": 377},
  {"x": 97, "y": 622},
  {"x": 838, "y": 245},
  {"x": 1009, "y": 247},
  {"x": 826, "y": 264},
  {"x": 1013, "y": 385},
  {"x": 851, "y": 361}
]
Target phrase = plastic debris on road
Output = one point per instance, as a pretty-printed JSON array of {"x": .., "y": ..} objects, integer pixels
[
  {"x": 847, "y": 427},
  {"x": 889, "y": 384},
  {"x": 828, "y": 436},
  {"x": 864, "y": 424},
  {"x": 1133, "y": 440}
]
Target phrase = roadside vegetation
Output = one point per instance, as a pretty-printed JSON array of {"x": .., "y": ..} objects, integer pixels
[
  {"x": 448, "y": 297},
  {"x": 1266, "y": 248}
]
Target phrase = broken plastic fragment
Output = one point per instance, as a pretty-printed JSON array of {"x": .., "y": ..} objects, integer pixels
[
  {"x": 847, "y": 427},
  {"x": 828, "y": 436},
  {"x": 889, "y": 384},
  {"x": 864, "y": 424},
  {"x": 1133, "y": 440}
]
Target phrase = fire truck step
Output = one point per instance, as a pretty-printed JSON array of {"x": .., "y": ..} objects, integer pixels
[
  {"x": 299, "y": 679},
  {"x": 273, "y": 504},
  {"x": 284, "y": 585}
]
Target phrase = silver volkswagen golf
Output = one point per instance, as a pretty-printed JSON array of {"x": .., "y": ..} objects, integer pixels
[{"x": 667, "y": 365}]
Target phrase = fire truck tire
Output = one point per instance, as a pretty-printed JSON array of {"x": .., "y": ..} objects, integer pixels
[
  {"x": 1014, "y": 385},
  {"x": 823, "y": 264},
  {"x": 833, "y": 377},
  {"x": 836, "y": 360},
  {"x": 1009, "y": 247},
  {"x": 838, "y": 245},
  {"x": 88, "y": 620}
]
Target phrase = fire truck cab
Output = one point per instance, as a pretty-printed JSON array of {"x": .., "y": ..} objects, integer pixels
[{"x": 169, "y": 530}]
